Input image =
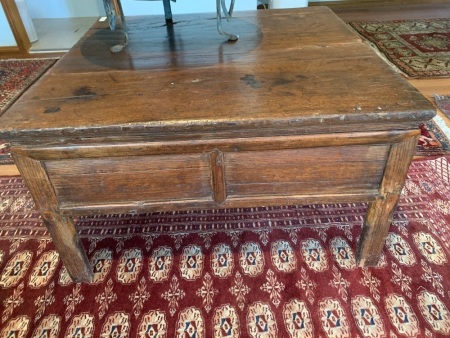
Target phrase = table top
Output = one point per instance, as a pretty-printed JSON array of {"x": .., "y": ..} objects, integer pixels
[{"x": 297, "y": 70}]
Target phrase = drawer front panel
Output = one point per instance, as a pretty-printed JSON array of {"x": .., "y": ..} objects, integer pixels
[
  {"x": 308, "y": 171},
  {"x": 130, "y": 179}
]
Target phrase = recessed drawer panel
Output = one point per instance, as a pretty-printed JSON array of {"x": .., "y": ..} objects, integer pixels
[
  {"x": 130, "y": 179},
  {"x": 307, "y": 171}
]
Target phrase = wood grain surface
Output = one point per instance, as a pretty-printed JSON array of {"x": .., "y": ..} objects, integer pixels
[{"x": 286, "y": 71}]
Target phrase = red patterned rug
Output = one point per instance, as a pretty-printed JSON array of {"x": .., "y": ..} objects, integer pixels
[
  {"x": 419, "y": 48},
  {"x": 433, "y": 141},
  {"x": 257, "y": 272},
  {"x": 16, "y": 75},
  {"x": 443, "y": 103}
]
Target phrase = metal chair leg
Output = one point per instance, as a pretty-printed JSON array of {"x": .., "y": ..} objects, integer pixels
[
  {"x": 221, "y": 7},
  {"x": 113, "y": 8},
  {"x": 168, "y": 11}
]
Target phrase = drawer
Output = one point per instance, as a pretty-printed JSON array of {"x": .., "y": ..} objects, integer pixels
[
  {"x": 305, "y": 171},
  {"x": 156, "y": 178}
]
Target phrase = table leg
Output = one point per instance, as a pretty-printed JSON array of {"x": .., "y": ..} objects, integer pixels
[
  {"x": 61, "y": 228},
  {"x": 379, "y": 213},
  {"x": 69, "y": 247},
  {"x": 375, "y": 229}
]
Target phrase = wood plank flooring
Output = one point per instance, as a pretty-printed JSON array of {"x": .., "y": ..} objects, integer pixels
[
  {"x": 381, "y": 12},
  {"x": 386, "y": 12}
]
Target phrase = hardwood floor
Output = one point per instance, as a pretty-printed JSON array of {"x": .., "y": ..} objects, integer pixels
[
  {"x": 381, "y": 12},
  {"x": 386, "y": 12},
  {"x": 8, "y": 170}
]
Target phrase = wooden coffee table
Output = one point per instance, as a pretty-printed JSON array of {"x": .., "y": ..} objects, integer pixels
[{"x": 299, "y": 110}]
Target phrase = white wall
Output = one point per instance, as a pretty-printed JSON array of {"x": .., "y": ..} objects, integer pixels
[
  {"x": 77, "y": 8},
  {"x": 6, "y": 37}
]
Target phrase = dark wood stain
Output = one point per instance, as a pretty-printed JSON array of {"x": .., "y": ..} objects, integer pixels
[
  {"x": 84, "y": 91},
  {"x": 281, "y": 82},
  {"x": 251, "y": 81},
  {"x": 287, "y": 94},
  {"x": 52, "y": 110}
]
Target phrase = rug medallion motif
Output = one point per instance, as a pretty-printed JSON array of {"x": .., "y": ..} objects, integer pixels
[{"x": 254, "y": 272}]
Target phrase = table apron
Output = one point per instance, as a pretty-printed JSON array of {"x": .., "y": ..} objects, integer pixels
[{"x": 135, "y": 177}]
